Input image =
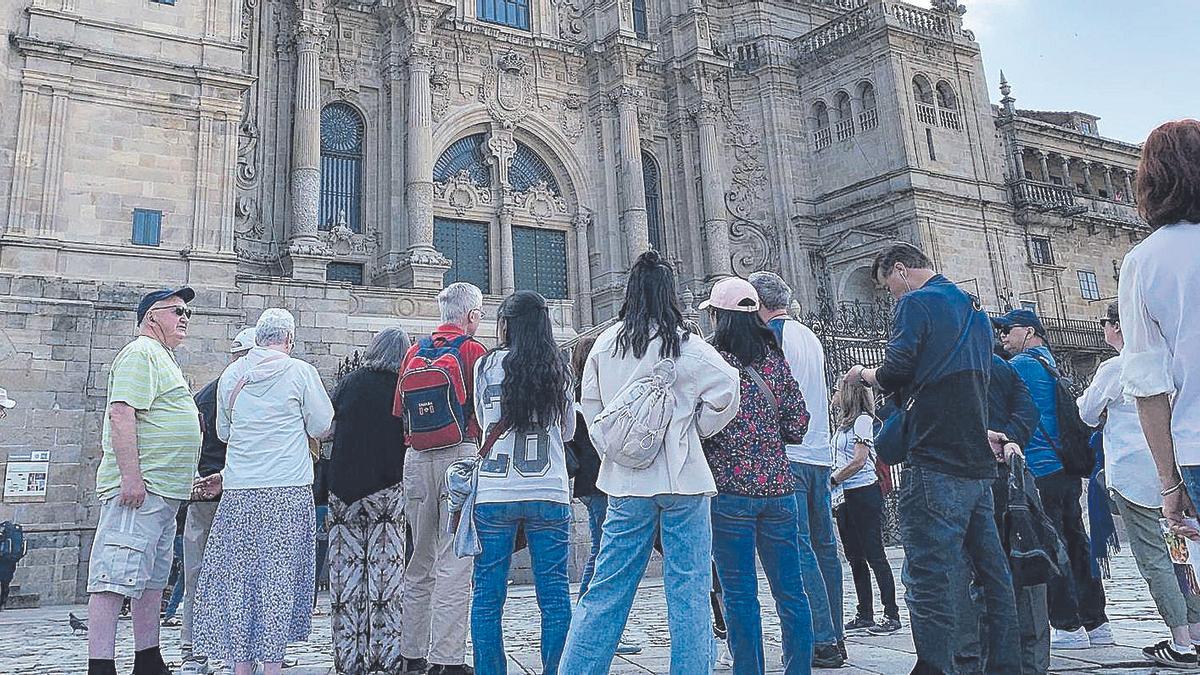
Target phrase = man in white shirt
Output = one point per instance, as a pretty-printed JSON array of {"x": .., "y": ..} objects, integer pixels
[{"x": 812, "y": 462}]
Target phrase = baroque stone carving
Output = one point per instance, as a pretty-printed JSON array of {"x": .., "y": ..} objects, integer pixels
[
  {"x": 508, "y": 90},
  {"x": 343, "y": 241},
  {"x": 248, "y": 9},
  {"x": 571, "y": 23},
  {"x": 754, "y": 240},
  {"x": 540, "y": 202},
  {"x": 572, "y": 116},
  {"x": 439, "y": 87},
  {"x": 461, "y": 193}
]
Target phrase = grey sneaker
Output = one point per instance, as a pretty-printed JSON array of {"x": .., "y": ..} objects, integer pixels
[
  {"x": 888, "y": 625},
  {"x": 827, "y": 656}
]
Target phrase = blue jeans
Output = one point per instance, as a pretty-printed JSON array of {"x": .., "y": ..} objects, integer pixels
[
  {"x": 1191, "y": 482},
  {"x": 322, "y": 548},
  {"x": 943, "y": 517},
  {"x": 819, "y": 561},
  {"x": 629, "y": 530},
  {"x": 177, "y": 572},
  {"x": 548, "y": 529},
  {"x": 742, "y": 525},
  {"x": 597, "y": 506}
]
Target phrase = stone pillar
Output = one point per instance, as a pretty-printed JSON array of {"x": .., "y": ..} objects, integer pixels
[
  {"x": 1108, "y": 182},
  {"x": 716, "y": 227},
  {"x": 1042, "y": 156},
  {"x": 583, "y": 267},
  {"x": 1087, "y": 176},
  {"x": 1066, "y": 169},
  {"x": 423, "y": 266},
  {"x": 307, "y": 255},
  {"x": 508, "y": 274},
  {"x": 1018, "y": 158},
  {"x": 1128, "y": 186},
  {"x": 633, "y": 188}
]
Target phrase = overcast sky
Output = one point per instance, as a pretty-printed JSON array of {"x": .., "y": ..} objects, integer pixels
[{"x": 1135, "y": 64}]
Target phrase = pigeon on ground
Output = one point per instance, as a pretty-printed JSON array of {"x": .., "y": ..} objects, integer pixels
[{"x": 77, "y": 624}]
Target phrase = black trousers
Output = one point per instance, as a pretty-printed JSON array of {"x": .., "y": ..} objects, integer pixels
[
  {"x": 1077, "y": 600},
  {"x": 860, "y": 525}
]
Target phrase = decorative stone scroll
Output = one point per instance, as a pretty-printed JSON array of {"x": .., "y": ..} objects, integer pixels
[
  {"x": 541, "y": 202},
  {"x": 572, "y": 116},
  {"x": 461, "y": 193},
  {"x": 754, "y": 240}
]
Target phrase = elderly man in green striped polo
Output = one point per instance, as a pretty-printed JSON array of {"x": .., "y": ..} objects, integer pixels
[{"x": 151, "y": 444}]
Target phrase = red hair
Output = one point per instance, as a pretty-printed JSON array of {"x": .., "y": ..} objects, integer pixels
[{"x": 1168, "y": 178}]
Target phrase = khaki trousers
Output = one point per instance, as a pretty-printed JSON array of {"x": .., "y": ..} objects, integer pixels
[
  {"x": 195, "y": 537},
  {"x": 437, "y": 583}
]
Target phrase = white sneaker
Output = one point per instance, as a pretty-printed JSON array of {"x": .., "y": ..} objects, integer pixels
[
  {"x": 1101, "y": 636},
  {"x": 1076, "y": 639},
  {"x": 724, "y": 658}
]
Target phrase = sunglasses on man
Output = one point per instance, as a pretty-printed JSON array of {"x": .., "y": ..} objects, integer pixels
[{"x": 180, "y": 310}]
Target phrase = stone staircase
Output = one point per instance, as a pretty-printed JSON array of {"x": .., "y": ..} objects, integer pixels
[{"x": 19, "y": 600}]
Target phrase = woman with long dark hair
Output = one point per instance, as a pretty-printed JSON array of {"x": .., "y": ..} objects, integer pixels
[
  {"x": 524, "y": 385},
  {"x": 669, "y": 494},
  {"x": 755, "y": 506}
]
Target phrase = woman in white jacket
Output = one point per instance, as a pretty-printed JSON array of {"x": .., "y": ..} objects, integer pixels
[
  {"x": 670, "y": 496},
  {"x": 256, "y": 582}
]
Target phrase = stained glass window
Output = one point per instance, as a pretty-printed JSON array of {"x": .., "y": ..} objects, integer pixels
[
  {"x": 528, "y": 169},
  {"x": 540, "y": 261},
  {"x": 342, "y": 131},
  {"x": 640, "y": 25},
  {"x": 514, "y": 13},
  {"x": 654, "y": 216},
  {"x": 465, "y": 154},
  {"x": 465, "y": 243}
]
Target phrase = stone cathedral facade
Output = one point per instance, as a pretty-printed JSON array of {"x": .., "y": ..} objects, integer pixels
[{"x": 345, "y": 159}]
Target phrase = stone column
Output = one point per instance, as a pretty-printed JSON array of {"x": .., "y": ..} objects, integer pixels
[
  {"x": 716, "y": 227},
  {"x": 1087, "y": 176},
  {"x": 423, "y": 266},
  {"x": 1018, "y": 159},
  {"x": 307, "y": 255},
  {"x": 1066, "y": 169},
  {"x": 583, "y": 266},
  {"x": 1128, "y": 186},
  {"x": 1108, "y": 183},
  {"x": 633, "y": 188},
  {"x": 1042, "y": 156},
  {"x": 508, "y": 273}
]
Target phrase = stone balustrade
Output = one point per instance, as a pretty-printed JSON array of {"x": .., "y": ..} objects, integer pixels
[
  {"x": 822, "y": 138},
  {"x": 920, "y": 20},
  {"x": 927, "y": 113},
  {"x": 844, "y": 129},
  {"x": 1033, "y": 193},
  {"x": 825, "y": 35},
  {"x": 868, "y": 119},
  {"x": 949, "y": 119}
]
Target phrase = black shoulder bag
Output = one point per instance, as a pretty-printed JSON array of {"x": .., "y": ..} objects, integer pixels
[{"x": 894, "y": 436}]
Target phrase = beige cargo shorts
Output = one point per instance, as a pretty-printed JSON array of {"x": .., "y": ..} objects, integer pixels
[{"x": 134, "y": 548}]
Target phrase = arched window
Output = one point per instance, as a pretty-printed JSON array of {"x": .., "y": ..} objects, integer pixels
[
  {"x": 514, "y": 13},
  {"x": 640, "y": 25},
  {"x": 528, "y": 169},
  {"x": 868, "y": 117},
  {"x": 342, "y": 131},
  {"x": 945, "y": 96},
  {"x": 922, "y": 89},
  {"x": 842, "y": 101},
  {"x": 465, "y": 154},
  {"x": 866, "y": 94},
  {"x": 820, "y": 113},
  {"x": 654, "y": 216}
]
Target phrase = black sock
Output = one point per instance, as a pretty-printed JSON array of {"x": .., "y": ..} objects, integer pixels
[
  {"x": 102, "y": 667},
  {"x": 149, "y": 661}
]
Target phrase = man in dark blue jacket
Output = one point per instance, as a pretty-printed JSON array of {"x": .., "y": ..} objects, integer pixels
[
  {"x": 1077, "y": 604},
  {"x": 941, "y": 344}
]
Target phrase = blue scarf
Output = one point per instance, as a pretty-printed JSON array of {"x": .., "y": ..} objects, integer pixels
[{"x": 1104, "y": 540}]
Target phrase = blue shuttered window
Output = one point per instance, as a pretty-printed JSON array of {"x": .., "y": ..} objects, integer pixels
[
  {"x": 342, "y": 131},
  {"x": 528, "y": 169},
  {"x": 514, "y": 13},
  {"x": 654, "y": 215},
  {"x": 540, "y": 261},
  {"x": 465, "y": 154},
  {"x": 339, "y": 271},
  {"x": 465, "y": 244},
  {"x": 640, "y": 24},
  {"x": 147, "y": 227}
]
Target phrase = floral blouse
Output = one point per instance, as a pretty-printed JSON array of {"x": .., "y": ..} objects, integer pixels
[{"x": 747, "y": 457}]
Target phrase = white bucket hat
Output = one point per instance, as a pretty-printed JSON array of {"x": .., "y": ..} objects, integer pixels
[{"x": 5, "y": 401}]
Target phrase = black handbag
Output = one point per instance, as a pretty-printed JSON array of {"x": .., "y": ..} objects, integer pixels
[
  {"x": 893, "y": 439},
  {"x": 1036, "y": 553}
]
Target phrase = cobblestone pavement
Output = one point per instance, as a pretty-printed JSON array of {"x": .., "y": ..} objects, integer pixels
[{"x": 39, "y": 641}]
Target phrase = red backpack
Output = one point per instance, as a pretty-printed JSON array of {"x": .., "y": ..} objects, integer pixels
[{"x": 433, "y": 395}]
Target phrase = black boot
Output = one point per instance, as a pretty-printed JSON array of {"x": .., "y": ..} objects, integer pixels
[
  {"x": 102, "y": 667},
  {"x": 150, "y": 662}
]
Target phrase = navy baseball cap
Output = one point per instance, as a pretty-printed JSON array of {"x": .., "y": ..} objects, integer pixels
[
  {"x": 156, "y": 296},
  {"x": 1021, "y": 318}
]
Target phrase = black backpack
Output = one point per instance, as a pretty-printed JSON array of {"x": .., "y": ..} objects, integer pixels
[
  {"x": 1072, "y": 447},
  {"x": 12, "y": 542}
]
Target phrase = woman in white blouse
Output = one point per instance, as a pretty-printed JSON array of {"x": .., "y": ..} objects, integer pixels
[
  {"x": 1133, "y": 484},
  {"x": 1159, "y": 295}
]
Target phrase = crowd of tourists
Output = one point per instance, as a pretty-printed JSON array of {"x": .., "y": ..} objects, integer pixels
[{"x": 716, "y": 449}]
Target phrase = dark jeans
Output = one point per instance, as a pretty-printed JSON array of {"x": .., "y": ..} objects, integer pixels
[
  {"x": 946, "y": 523},
  {"x": 8, "y": 569},
  {"x": 860, "y": 525},
  {"x": 741, "y": 525},
  {"x": 1077, "y": 599}
]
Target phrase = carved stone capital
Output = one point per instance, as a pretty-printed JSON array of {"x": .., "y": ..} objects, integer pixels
[
  {"x": 310, "y": 35},
  {"x": 625, "y": 95},
  {"x": 706, "y": 111},
  {"x": 420, "y": 56},
  {"x": 583, "y": 220}
]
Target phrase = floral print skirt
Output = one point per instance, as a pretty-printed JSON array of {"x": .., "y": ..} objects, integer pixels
[{"x": 257, "y": 581}]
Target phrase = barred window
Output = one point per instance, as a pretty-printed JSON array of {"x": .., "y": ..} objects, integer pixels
[
  {"x": 654, "y": 215},
  {"x": 640, "y": 24},
  {"x": 514, "y": 13},
  {"x": 528, "y": 169},
  {"x": 342, "y": 131},
  {"x": 465, "y": 244},
  {"x": 540, "y": 261},
  {"x": 1089, "y": 288},
  {"x": 466, "y": 154}
]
